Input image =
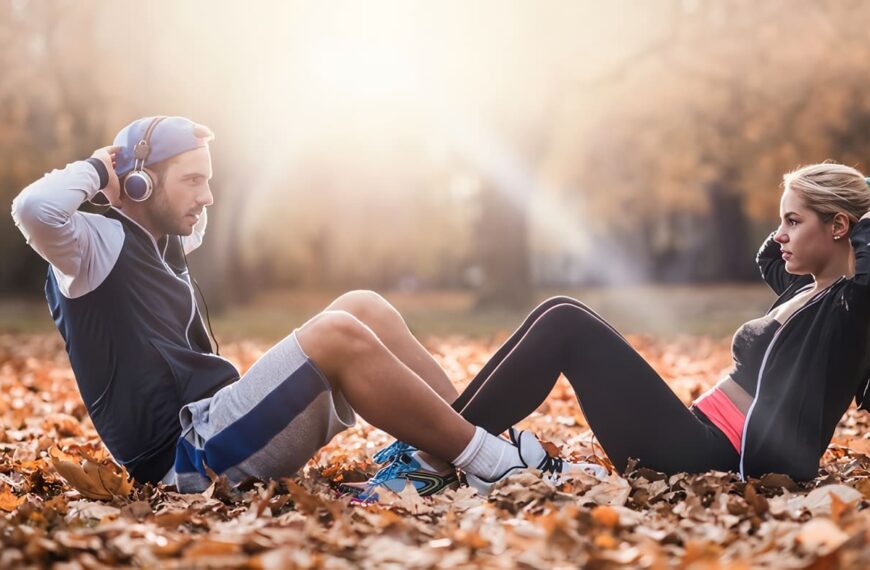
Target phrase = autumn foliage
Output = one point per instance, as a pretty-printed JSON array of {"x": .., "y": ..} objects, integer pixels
[{"x": 63, "y": 499}]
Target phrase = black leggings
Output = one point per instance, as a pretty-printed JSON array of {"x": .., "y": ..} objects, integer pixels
[{"x": 631, "y": 410}]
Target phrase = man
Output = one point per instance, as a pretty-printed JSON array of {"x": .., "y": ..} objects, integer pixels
[{"x": 166, "y": 407}]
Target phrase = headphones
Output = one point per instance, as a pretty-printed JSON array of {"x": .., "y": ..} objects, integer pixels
[{"x": 138, "y": 184}]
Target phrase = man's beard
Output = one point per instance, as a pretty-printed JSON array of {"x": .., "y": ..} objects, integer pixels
[{"x": 164, "y": 220}]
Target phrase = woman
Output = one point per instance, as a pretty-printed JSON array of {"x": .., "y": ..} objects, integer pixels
[{"x": 796, "y": 368}]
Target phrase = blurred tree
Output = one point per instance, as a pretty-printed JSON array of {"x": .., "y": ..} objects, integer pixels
[
  {"x": 665, "y": 166},
  {"x": 50, "y": 110},
  {"x": 508, "y": 169},
  {"x": 744, "y": 92}
]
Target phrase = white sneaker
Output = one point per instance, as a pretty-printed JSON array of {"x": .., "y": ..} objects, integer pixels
[{"x": 531, "y": 454}]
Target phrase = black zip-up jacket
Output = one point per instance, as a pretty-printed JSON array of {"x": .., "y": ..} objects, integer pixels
[{"x": 818, "y": 361}]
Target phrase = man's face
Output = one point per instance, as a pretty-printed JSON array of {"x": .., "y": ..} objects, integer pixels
[
  {"x": 806, "y": 241},
  {"x": 179, "y": 200}
]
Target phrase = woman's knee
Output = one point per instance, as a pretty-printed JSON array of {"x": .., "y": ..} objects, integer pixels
[
  {"x": 566, "y": 317},
  {"x": 560, "y": 300}
]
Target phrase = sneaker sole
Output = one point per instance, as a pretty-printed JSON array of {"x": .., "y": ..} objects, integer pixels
[{"x": 430, "y": 485}]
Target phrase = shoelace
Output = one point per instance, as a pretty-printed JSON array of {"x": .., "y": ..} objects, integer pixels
[
  {"x": 552, "y": 465},
  {"x": 392, "y": 451},
  {"x": 398, "y": 466}
]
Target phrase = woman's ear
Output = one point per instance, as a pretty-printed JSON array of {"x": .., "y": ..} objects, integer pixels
[{"x": 840, "y": 225}]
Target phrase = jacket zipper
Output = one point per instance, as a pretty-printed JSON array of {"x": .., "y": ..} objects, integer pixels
[
  {"x": 169, "y": 270},
  {"x": 188, "y": 285},
  {"x": 761, "y": 369}
]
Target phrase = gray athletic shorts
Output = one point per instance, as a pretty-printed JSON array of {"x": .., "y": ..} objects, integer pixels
[{"x": 266, "y": 425}]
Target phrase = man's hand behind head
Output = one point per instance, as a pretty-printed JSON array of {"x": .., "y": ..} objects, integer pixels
[{"x": 112, "y": 190}]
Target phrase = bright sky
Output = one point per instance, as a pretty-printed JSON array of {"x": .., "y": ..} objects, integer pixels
[
  {"x": 378, "y": 85},
  {"x": 296, "y": 66}
]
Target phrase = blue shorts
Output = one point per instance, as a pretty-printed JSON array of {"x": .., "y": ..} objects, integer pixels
[{"x": 268, "y": 424}]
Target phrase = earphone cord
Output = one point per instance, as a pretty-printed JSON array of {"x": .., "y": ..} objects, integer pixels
[{"x": 217, "y": 347}]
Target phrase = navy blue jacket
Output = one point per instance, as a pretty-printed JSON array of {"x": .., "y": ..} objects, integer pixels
[{"x": 124, "y": 305}]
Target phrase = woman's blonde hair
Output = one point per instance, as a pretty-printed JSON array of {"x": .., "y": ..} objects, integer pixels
[{"x": 829, "y": 188}]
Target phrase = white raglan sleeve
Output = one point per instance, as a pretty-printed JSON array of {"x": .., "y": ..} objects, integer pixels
[
  {"x": 82, "y": 248},
  {"x": 194, "y": 240}
]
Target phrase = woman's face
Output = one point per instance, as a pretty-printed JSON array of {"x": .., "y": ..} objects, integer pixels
[{"x": 807, "y": 243}]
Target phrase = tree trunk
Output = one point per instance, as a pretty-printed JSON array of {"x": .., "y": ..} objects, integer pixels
[
  {"x": 734, "y": 259},
  {"x": 503, "y": 248}
]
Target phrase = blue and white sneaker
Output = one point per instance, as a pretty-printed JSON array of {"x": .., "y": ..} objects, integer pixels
[
  {"x": 405, "y": 468},
  {"x": 531, "y": 454},
  {"x": 392, "y": 451}
]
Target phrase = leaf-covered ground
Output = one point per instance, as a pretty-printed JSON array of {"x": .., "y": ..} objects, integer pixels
[{"x": 643, "y": 520}]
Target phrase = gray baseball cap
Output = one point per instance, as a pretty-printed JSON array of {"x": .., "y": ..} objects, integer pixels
[{"x": 170, "y": 137}]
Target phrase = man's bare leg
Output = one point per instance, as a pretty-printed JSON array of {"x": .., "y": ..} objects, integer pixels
[
  {"x": 389, "y": 326},
  {"x": 380, "y": 387}
]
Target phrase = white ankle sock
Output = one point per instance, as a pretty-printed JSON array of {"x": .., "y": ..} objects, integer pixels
[
  {"x": 471, "y": 450},
  {"x": 488, "y": 456}
]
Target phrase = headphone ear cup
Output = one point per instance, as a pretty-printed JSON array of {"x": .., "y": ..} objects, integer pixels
[{"x": 138, "y": 186}]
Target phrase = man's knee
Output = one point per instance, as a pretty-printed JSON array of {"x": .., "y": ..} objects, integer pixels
[
  {"x": 333, "y": 337},
  {"x": 367, "y": 306}
]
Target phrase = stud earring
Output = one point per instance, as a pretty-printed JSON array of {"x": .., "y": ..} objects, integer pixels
[{"x": 837, "y": 237}]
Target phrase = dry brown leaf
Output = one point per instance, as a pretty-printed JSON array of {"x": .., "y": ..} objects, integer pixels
[
  {"x": 622, "y": 556},
  {"x": 778, "y": 480},
  {"x": 90, "y": 510},
  {"x": 173, "y": 519},
  {"x": 102, "y": 481},
  {"x": 605, "y": 516},
  {"x": 605, "y": 540},
  {"x": 525, "y": 522},
  {"x": 859, "y": 445},
  {"x": 697, "y": 551},
  {"x": 209, "y": 547},
  {"x": 267, "y": 496},
  {"x": 407, "y": 499},
  {"x": 63, "y": 424},
  {"x": 613, "y": 491},
  {"x": 305, "y": 502},
  {"x": 820, "y": 536},
  {"x": 756, "y": 500},
  {"x": 8, "y": 500},
  {"x": 57, "y": 504},
  {"x": 470, "y": 538},
  {"x": 863, "y": 486},
  {"x": 819, "y": 501}
]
